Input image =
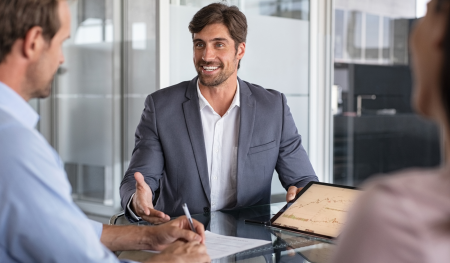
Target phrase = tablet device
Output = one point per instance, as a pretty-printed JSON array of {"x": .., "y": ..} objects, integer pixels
[{"x": 320, "y": 210}]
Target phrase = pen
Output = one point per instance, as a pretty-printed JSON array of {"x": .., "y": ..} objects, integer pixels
[{"x": 188, "y": 215}]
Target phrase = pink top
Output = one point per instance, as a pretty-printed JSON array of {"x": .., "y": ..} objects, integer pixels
[{"x": 401, "y": 218}]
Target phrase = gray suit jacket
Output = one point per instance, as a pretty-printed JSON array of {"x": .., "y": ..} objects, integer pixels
[{"x": 170, "y": 149}]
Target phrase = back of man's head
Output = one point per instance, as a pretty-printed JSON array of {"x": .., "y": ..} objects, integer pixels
[
  {"x": 17, "y": 17},
  {"x": 221, "y": 13}
]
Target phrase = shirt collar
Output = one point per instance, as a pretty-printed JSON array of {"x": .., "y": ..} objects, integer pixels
[
  {"x": 15, "y": 105},
  {"x": 203, "y": 102}
]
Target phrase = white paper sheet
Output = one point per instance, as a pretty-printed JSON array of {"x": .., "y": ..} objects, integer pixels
[{"x": 219, "y": 246}]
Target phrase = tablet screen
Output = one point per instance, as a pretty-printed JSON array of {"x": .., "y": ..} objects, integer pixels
[{"x": 321, "y": 209}]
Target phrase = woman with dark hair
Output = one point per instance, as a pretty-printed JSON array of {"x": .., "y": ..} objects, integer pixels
[{"x": 406, "y": 217}]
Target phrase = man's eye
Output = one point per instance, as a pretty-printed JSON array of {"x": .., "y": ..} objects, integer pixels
[
  {"x": 220, "y": 45},
  {"x": 199, "y": 45}
]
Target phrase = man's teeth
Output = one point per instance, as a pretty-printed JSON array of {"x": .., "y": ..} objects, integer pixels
[{"x": 210, "y": 68}]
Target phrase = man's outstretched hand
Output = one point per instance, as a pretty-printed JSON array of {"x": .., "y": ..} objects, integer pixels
[
  {"x": 292, "y": 192},
  {"x": 142, "y": 203}
]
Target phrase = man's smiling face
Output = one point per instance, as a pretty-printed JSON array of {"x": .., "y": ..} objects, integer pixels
[{"x": 215, "y": 55}]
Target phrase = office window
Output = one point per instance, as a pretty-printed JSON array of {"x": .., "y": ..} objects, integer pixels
[
  {"x": 372, "y": 38},
  {"x": 375, "y": 127}
]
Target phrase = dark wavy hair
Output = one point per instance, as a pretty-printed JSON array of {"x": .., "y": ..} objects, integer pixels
[
  {"x": 17, "y": 17},
  {"x": 221, "y": 13}
]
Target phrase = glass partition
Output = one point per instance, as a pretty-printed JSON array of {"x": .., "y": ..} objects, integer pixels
[
  {"x": 99, "y": 95},
  {"x": 375, "y": 128},
  {"x": 139, "y": 66},
  {"x": 85, "y": 103}
]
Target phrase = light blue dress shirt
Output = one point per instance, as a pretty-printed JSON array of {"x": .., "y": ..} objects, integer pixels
[{"x": 39, "y": 222}]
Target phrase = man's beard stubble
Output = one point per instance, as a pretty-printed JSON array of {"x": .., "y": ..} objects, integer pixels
[
  {"x": 39, "y": 88},
  {"x": 43, "y": 93},
  {"x": 221, "y": 78}
]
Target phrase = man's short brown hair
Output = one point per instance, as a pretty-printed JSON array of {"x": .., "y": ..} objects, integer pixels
[
  {"x": 17, "y": 17},
  {"x": 220, "y": 13}
]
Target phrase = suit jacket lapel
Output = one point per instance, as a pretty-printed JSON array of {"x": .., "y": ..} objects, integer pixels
[
  {"x": 195, "y": 130},
  {"x": 248, "y": 108}
]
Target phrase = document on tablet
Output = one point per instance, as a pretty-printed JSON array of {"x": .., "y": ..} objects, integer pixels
[
  {"x": 320, "y": 209},
  {"x": 219, "y": 246}
]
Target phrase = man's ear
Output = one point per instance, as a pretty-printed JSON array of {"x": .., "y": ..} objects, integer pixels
[
  {"x": 241, "y": 50},
  {"x": 33, "y": 43}
]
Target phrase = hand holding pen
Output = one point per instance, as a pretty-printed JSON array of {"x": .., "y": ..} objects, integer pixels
[
  {"x": 188, "y": 215},
  {"x": 176, "y": 241},
  {"x": 177, "y": 229}
]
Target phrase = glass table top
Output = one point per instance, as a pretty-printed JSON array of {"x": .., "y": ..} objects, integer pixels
[{"x": 284, "y": 247}]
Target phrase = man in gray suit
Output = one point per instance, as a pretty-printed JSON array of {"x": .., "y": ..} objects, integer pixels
[{"x": 213, "y": 142}]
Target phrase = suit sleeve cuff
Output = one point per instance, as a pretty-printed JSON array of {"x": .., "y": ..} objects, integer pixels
[
  {"x": 131, "y": 213},
  {"x": 306, "y": 180}
]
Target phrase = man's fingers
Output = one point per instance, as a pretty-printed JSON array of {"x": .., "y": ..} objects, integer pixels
[
  {"x": 183, "y": 223},
  {"x": 183, "y": 252},
  {"x": 188, "y": 235},
  {"x": 291, "y": 193},
  {"x": 199, "y": 248},
  {"x": 156, "y": 220},
  {"x": 292, "y": 190},
  {"x": 200, "y": 228},
  {"x": 194, "y": 247},
  {"x": 156, "y": 213},
  {"x": 204, "y": 258},
  {"x": 146, "y": 210}
]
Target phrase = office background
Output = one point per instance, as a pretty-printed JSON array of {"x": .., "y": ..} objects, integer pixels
[{"x": 343, "y": 66}]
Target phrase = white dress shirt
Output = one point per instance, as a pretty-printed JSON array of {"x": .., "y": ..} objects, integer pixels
[{"x": 221, "y": 136}]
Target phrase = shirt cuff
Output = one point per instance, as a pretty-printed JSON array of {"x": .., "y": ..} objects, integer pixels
[
  {"x": 133, "y": 215},
  {"x": 98, "y": 227}
]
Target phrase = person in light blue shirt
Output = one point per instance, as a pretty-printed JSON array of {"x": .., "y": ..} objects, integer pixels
[{"x": 39, "y": 222}]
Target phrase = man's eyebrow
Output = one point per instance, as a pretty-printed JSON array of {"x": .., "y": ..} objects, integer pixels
[
  {"x": 220, "y": 39},
  {"x": 212, "y": 40}
]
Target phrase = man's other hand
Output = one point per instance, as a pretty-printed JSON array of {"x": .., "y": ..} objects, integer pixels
[
  {"x": 292, "y": 192},
  {"x": 182, "y": 252},
  {"x": 119, "y": 238},
  {"x": 177, "y": 229},
  {"x": 142, "y": 203}
]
